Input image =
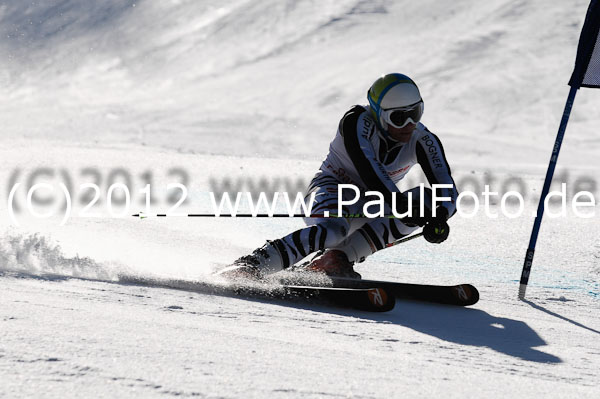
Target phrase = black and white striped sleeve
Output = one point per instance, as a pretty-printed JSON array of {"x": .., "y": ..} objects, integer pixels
[
  {"x": 431, "y": 157},
  {"x": 364, "y": 157}
]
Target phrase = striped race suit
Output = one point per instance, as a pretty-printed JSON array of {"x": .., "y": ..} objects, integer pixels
[{"x": 363, "y": 155}]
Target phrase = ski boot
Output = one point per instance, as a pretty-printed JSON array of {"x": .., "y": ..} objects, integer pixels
[
  {"x": 261, "y": 261},
  {"x": 333, "y": 262},
  {"x": 244, "y": 268}
]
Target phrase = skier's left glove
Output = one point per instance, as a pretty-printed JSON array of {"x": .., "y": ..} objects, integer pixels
[{"x": 436, "y": 229}]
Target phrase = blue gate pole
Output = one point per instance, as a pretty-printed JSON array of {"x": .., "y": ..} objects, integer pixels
[{"x": 549, "y": 174}]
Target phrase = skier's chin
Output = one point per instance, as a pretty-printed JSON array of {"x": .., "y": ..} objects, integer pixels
[{"x": 402, "y": 134}]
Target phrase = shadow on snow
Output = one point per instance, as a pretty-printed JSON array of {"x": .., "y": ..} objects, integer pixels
[{"x": 463, "y": 326}]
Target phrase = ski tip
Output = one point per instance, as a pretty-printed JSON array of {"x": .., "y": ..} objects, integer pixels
[{"x": 466, "y": 294}]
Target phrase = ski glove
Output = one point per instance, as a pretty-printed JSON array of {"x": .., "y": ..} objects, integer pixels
[{"x": 436, "y": 231}]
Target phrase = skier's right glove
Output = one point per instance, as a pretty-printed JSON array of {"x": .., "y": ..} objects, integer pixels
[{"x": 436, "y": 230}]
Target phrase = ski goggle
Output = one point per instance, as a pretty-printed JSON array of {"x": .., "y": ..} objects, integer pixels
[{"x": 400, "y": 117}]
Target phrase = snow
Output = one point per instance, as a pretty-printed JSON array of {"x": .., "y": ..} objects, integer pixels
[
  {"x": 101, "y": 338},
  {"x": 186, "y": 91}
]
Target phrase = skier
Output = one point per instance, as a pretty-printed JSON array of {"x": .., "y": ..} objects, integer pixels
[{"x": 374, "y": 148}]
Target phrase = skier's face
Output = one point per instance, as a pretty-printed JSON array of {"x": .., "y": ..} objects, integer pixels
[{"x": 402, "y": 134}]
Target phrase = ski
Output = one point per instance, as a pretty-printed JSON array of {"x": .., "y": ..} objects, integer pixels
[
  {"x": 371, "y": 299},
  {"x": 459, "y": 295}
]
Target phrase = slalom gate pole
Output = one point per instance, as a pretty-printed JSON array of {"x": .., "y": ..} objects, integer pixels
[{"x": 540, "y": 210}]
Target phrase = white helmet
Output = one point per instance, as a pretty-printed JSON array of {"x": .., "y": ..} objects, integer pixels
[{"x": 395, "y": 100}]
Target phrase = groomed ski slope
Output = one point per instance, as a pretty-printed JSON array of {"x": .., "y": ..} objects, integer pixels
[
  {"x": 251, "y": 90},
  {"x": 105, "y": 339},
  {"x": 62, "y": 336}
]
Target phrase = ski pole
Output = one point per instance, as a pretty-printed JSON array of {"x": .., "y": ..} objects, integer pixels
[
  {"x": 143, "y": 215},
  {"x": 400, "y": 241}
]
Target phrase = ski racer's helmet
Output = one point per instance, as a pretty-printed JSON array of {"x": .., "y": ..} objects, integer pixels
[{"x": 395, "y": 100}]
